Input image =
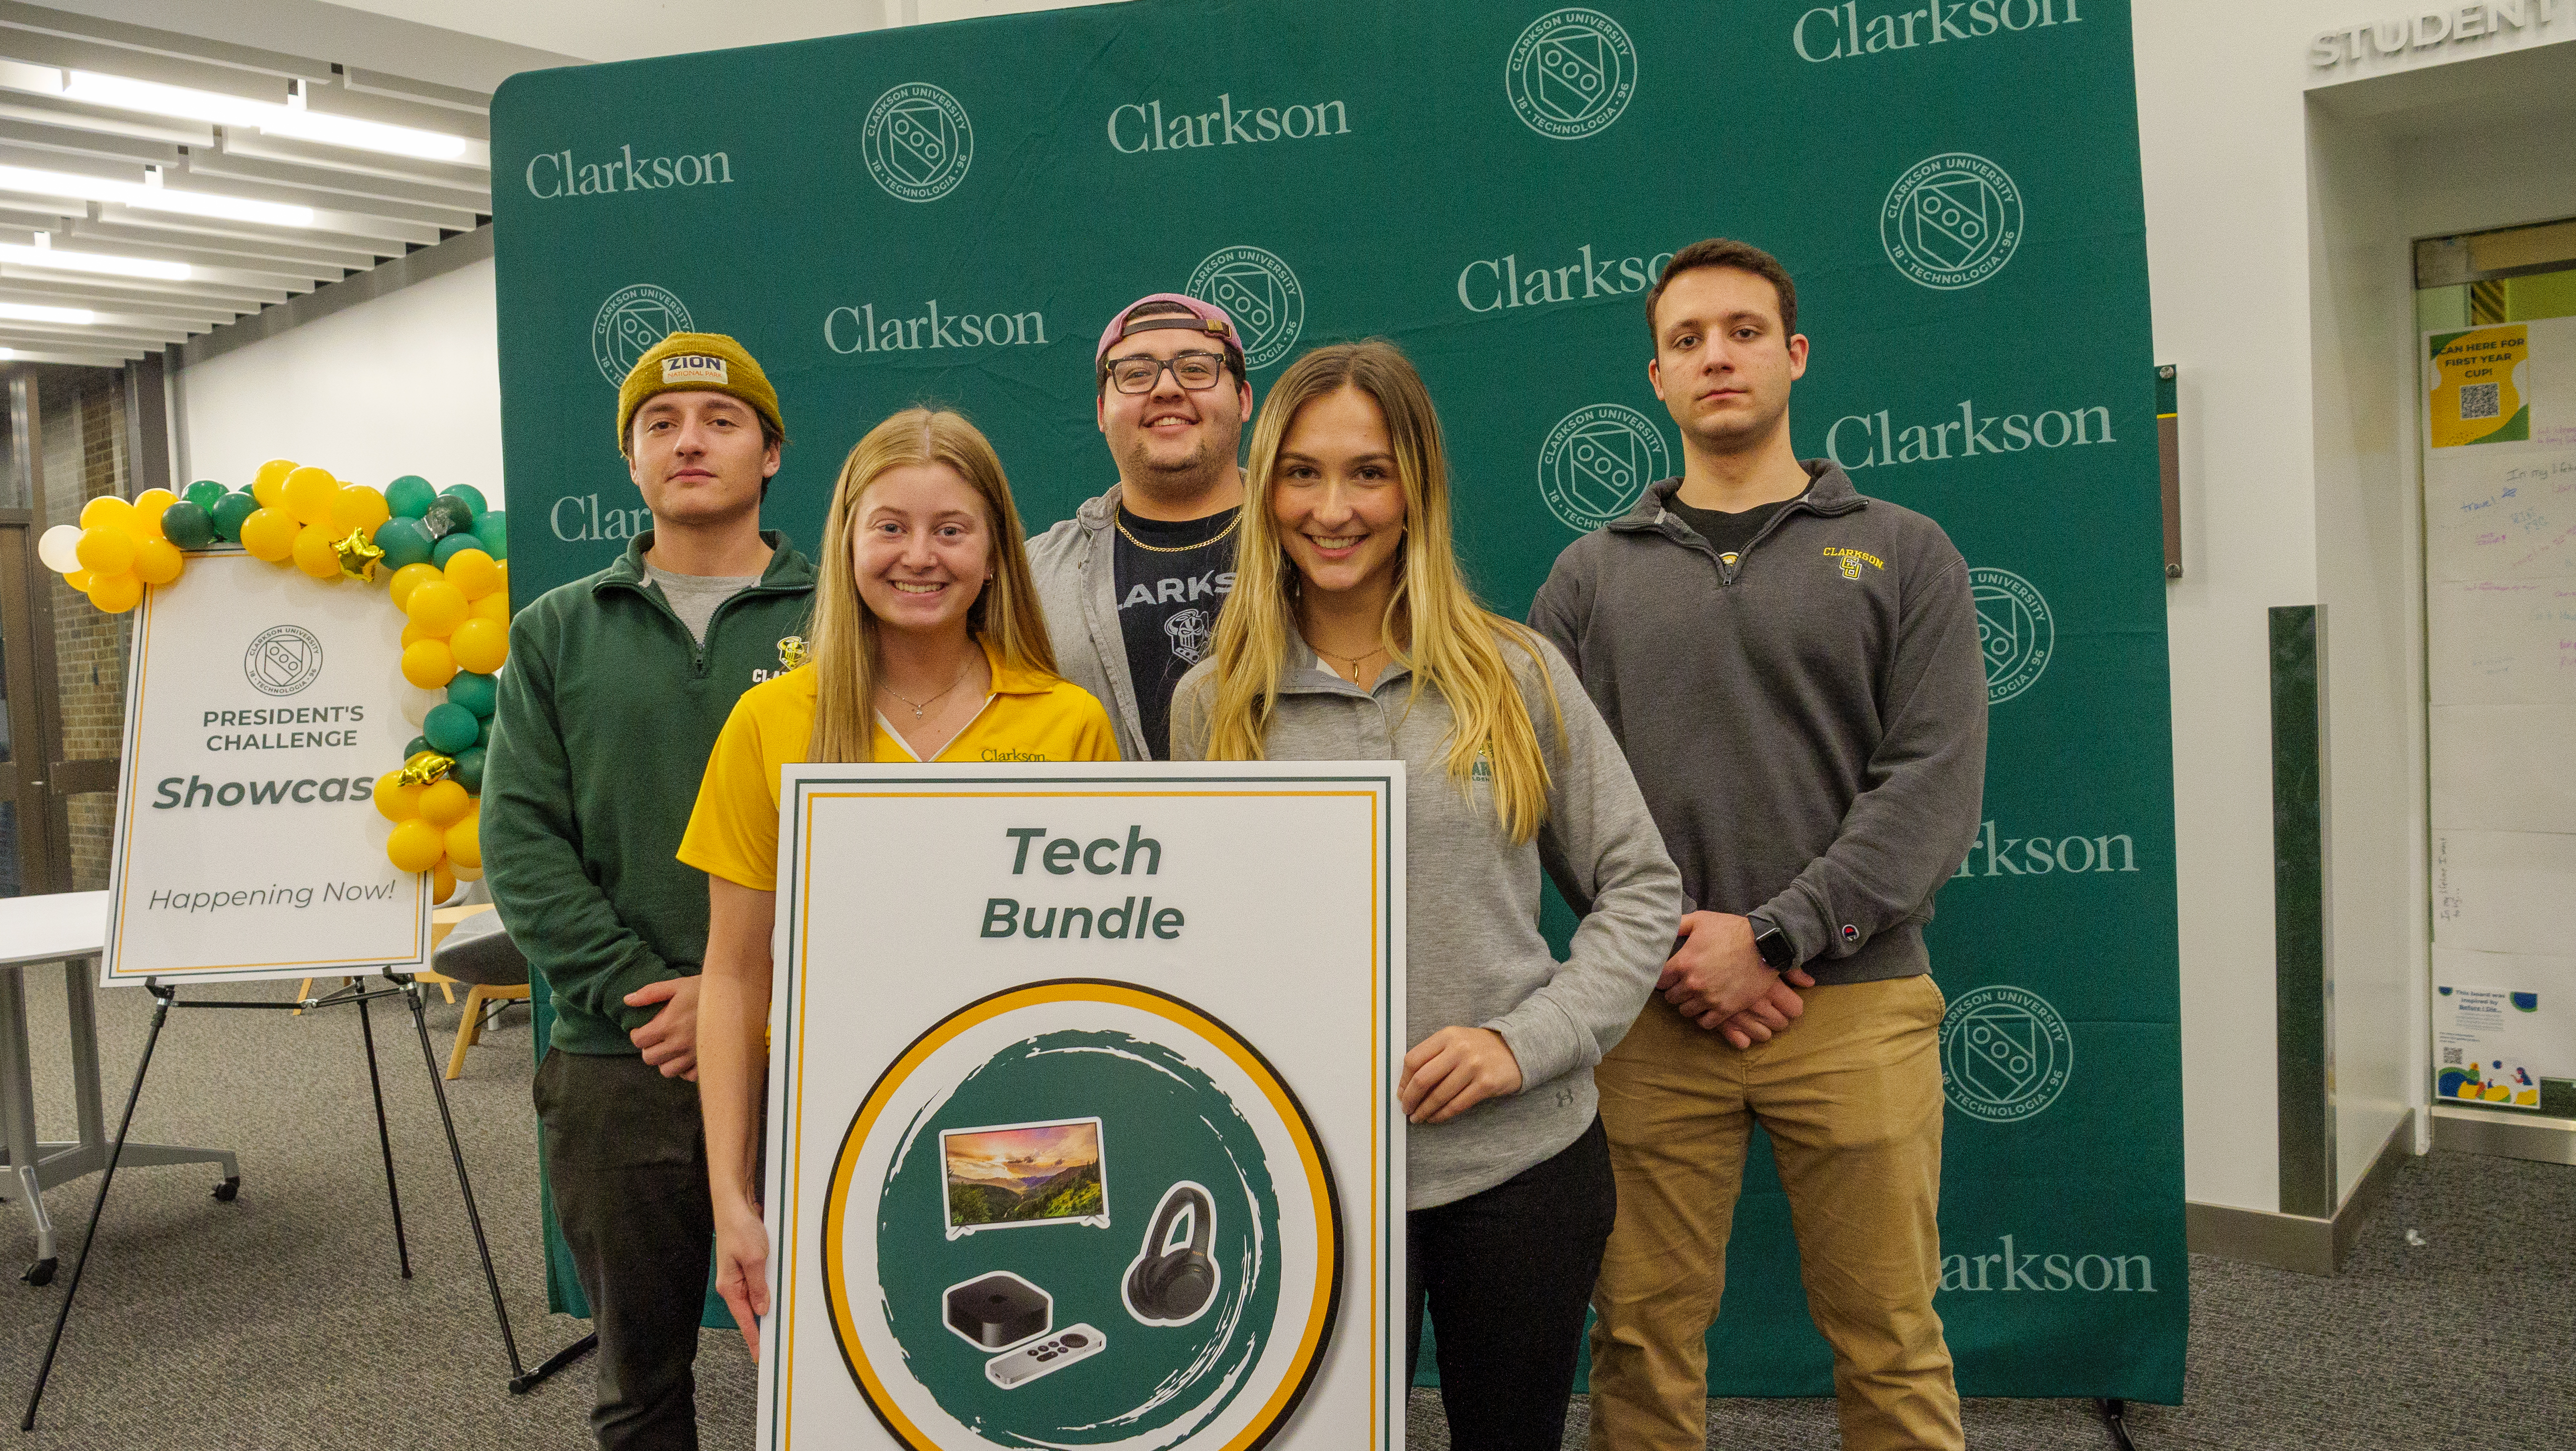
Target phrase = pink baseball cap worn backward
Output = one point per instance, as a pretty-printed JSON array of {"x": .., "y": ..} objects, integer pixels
[{"x": 1204, "y": 317}]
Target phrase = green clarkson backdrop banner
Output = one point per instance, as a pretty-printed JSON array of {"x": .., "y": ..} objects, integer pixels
[{"x": 952, "y": 212}]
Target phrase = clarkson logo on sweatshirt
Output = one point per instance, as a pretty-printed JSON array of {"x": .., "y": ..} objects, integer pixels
[{"x": 1852, "y": 560}]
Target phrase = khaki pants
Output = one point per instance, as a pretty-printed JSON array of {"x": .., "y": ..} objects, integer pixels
[{"x": 1851, "y": 1096}]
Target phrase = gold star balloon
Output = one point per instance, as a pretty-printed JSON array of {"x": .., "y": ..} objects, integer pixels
[
  {"x": 357, "y": 556},
  {"x": 424, "y": 768}
]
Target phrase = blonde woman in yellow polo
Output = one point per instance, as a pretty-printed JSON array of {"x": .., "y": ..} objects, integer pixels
[{"x": 928, "y": 645}]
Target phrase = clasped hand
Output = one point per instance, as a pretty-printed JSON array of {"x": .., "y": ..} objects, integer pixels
[
  {"x": 1720, "y": 982},
  {"x": 1454, "y": 1070},
  {"x": 670, "y": 1041}
]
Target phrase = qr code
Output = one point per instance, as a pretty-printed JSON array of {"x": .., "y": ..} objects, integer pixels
[
  {"x": 2478, "y": 400},
  {"x": 2451, "y": 1058}
]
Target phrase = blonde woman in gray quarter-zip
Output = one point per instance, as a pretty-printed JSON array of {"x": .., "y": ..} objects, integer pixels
[{"x": 1351, "y": 635}]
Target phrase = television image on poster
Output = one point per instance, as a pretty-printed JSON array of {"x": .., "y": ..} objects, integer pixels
[{"x": 1009, "y": 1176}]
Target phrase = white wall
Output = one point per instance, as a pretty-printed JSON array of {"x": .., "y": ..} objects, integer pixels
[{"x": 407, "y": 383}]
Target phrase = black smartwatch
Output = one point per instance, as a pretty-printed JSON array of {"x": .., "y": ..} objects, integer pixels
[{"x": 1778, "y": 952}]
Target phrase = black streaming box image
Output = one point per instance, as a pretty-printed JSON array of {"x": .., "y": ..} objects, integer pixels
[{"x": 999, "y": 1310}]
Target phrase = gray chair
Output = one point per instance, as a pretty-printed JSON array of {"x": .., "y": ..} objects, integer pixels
[{"x": 479, "y": 952}]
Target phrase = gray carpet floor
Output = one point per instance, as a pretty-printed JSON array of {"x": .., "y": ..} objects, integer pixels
[{"x": 279, "y": 1320}]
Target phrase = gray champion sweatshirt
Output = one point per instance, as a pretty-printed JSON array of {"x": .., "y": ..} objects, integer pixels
[
  {"x": 1473, "y": 953},
  {"x": 1809, "y": 726}
]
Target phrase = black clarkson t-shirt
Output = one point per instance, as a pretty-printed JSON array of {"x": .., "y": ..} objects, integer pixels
[
  {"x": 1170, "y": 580},
  {"x": 1727, "y": 533}
]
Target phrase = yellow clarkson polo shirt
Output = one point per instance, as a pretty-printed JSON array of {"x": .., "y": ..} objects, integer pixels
[{"x": 733, "y": 833}]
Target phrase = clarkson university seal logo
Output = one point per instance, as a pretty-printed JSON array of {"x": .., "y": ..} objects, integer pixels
[
  {"x": 282, "y": 659},
  {"x": 1264, "y": 297},
  {"x": 917, "y": 142},
  {"x": 1597, "y": 462},
  {"x": 1951, "y": 221},
  {"x": 629, "y": 323},
  {"x": 2005, "y": 1054},
  {"x": 1571, "y": 73},
  {"x": 2014, "y": 632}
]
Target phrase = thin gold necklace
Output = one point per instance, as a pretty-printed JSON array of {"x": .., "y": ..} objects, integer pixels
[
  {"x": 1217, "y": 538},
  {"x": 918, "y": 707},
  {"x": 1354, "y": 660}
]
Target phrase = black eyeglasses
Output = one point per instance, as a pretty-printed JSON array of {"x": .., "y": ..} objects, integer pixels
[{"x": 1195, "y": 371}]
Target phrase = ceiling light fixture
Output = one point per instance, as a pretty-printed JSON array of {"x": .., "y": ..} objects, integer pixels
[
  {"x": 124, "y": 93},
  {"x": 30, "y": 312},
  {"x": 105, "y": 264},
  {"x": 150, "y": 194}
]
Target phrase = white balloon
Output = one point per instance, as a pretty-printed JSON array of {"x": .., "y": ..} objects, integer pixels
[
  {"x": 416, "y": 703},
  {"x": 59, "y": 548},
  {"x": 463, "y": 873}
]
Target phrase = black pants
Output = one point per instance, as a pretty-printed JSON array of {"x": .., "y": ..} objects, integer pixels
[
  {"x": 627, "y": 1155},
  {"x": 1508, "y": 1274}
]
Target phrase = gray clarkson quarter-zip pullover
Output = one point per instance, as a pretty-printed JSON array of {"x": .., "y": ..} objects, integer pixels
[
  {"x": 1808, "y": 725},
  {"x": 1473, "y": 952},
  {"x": 1075, "y": 564}
]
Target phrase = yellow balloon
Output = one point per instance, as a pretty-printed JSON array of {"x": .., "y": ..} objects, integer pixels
[
  {"x": 445, "y": 803},
  {"x": 106, "y": 549},
  {"x": 494, "y": 606},
  {"x": 408, "y": 578},
  {"x": 414, "y": 634},
  {"x": 80, "y": 579},
  {"x": 428, "y": 664},
  {"x": 464, "y": 841},
  {"x": 416, "y": 846},
  {"x": 474, "y": 572},
  {"x": 397, "y": 801},
  {"x": 437, "y": 606},
  {"x": 357, "y": 507},
  {"x": 144, "y": 521},
  {"x": 270, "y": 534},
  {"x": 106, "y": 509},
  {"x": 480, "y": 645},
  {"x": 116, "y": 593},
  {"x": 313, "y": 555},
  {"x": 157, "y": 561},
  {"x": 267, "y": 484},
  {"x": 308, "y": 493},
  {"x": 442, "y": 883}
]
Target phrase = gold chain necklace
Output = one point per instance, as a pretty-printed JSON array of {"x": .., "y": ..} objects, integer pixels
[
  {"x": 1217, "y": 538},
  {"x": 1353, "y": 660},
  {"x": 918, "y": 707}
]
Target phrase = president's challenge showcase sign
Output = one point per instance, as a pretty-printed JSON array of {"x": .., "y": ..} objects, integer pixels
[{"x": 952, "y": 212}]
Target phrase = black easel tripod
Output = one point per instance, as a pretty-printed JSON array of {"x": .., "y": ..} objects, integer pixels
[{"x": 165, "y": 997}]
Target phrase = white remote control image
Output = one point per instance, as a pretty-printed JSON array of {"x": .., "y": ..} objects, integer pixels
[{"x": 1043, "y": 1357}]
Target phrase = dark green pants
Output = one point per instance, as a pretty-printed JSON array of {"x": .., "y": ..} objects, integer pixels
[{"x": 627, "y": 1155}]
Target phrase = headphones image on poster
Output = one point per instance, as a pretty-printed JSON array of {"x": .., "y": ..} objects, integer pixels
[{"x": 1173, "y": 1283}]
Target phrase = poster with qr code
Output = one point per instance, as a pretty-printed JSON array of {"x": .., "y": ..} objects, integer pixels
[
  {"x": 2481, "y": 386},
  {"x": 2488, "y": 1044}
]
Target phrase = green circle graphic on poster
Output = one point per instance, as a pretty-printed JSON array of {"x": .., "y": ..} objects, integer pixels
[{"x": 1081, "y": 1213}]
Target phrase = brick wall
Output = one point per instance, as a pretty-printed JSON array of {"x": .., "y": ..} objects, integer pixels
[{"x": 83, "y": 428}]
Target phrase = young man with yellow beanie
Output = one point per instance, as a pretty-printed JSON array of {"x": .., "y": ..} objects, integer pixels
[{"x": 617, "y": 687}]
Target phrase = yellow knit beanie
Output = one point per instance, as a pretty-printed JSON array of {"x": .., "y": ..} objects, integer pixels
[{"x": 707, "y": 362}]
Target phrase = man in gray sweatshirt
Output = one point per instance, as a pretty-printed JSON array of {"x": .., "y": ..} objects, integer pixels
[{"x": 1794, "y": 673}]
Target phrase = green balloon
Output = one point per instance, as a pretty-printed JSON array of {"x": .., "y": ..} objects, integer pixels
[
  {"x": 450, "y": 728},
  {"x": 480, "y": 694},
  {"x": 228, "y": 514},
  {"x": 447, "y": 515},
  {"x": 470, "y": 494},
  {"x": 494, "y": 530},
  {"x": 454, "y": 545},
  {"x": 204, "y": 493},
  {"x": 408, "y": 496},
  {"x": 483, "y": 731},
  {"x": 187, "y": 526},
  {"x": 404, "y": 542},
  {"x": 418, "y": 745},
  {"x": 469, "y": 769}
]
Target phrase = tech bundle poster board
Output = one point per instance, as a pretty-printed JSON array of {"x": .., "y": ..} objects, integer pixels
[
  {"x": 260, "y": 708},
  {"x": 1083, "y": 1126}
]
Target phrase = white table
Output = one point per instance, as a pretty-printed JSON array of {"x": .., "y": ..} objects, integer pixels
[{"x": 69, "y": 928}]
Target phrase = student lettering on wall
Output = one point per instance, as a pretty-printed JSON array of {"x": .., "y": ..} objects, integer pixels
[
  {"x": 1351, "y": 635},
  {"x": 927, "y": 645},
  {"x": 617, "y": 686},
  {"x": 1133, "y": 581},
  {"x": 1794, "y": 672}
]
